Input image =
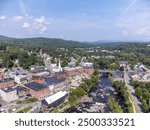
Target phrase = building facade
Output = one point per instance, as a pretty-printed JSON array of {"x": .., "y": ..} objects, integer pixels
[{"x": 8, "y": 94}]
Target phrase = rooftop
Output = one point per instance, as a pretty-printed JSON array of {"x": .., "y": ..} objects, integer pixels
[
  {"x": 20, "y": 88},
  {"x": 5, "y": 80},
  {"x": 7, "y": 90},
  {"x": 70, "y": 69},
  {"x": 54, "y": 80},
  {"x": 35, "y": 86},
  {"x": 55, "y": 97}
]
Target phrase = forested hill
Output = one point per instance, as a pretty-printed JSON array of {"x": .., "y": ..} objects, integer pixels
[{"x": 45, "y": 42}]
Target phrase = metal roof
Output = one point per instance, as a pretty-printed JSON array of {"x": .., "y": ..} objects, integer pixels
[{"x": 55, "y": 97}]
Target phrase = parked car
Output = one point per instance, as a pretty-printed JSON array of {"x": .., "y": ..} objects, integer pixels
[{"x": 2, "y": 110}]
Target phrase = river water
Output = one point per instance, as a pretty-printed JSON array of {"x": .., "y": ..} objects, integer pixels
[{"x": 97, "y": 99}]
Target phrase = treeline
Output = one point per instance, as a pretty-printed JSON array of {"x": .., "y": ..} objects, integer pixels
[
  {"x": 76, "y": 94},
  {"x": 142, "y": 91},
  {"x": 114, "y": 106},
  {"x": 133, "y": 53},
  {"x": 122, "y": 91},
  {"x": 103, "y": 63},
  {"x": 13, "y": 57},
  {"x": 48, "y": 43}
]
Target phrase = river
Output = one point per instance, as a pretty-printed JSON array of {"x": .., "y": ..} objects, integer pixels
[{"x": 97, "y": 99}]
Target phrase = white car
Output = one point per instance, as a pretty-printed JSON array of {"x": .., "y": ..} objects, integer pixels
[{"x": 2, "y": 110}]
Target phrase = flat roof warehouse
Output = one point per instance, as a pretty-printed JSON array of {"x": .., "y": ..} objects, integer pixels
[{"x": 55, "y": 97}]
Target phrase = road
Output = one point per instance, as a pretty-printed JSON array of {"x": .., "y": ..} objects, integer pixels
[
  {"x": 14, "y": 104},
  {"x": 47, "y": 64},
  {"x": 135, "y": 102}
]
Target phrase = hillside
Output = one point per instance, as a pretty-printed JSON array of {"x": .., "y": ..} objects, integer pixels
[
  {"x": 5, "y": 38},
  {"x": 45, "y": 42}
]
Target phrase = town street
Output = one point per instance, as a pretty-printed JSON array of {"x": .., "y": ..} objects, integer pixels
[{"x": 135, "y": 102}]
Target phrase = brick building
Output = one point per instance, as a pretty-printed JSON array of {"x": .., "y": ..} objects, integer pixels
[
  {"x": 70, "y": 72},
  {"x": 4, "y": 83},
  {"x": 53, "y": 83},
  {"x": 40, "y": 91},
  {"x": 22, "y": 91}
]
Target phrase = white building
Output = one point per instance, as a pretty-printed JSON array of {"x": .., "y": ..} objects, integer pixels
[
  {"x": 21, "y": 78},
  {"x": 55, "y": 100},
  {"x": 56, "y": 68},
  {"x": 87, "y": 64},
  {"x": 8, "y": 94}
]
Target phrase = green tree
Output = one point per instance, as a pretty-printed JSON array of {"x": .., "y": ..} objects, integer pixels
[
  {"x": 138, "y": 92},
  {"x": 145, "y": 106}
]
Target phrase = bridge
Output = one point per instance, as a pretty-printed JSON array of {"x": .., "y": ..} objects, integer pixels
[{"x": 107, "y": 71}]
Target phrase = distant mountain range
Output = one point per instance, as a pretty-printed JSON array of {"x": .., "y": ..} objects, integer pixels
[
  {"x": 4, "y": 38},
  {"x": 61, "y": 43},
  {"x": 45, "y": 42}
]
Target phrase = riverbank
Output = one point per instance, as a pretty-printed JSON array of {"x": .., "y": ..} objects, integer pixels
[{"x": 78, "y": 95}]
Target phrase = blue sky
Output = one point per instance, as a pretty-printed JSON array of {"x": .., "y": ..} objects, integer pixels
[{"x": 81, "y": 20}]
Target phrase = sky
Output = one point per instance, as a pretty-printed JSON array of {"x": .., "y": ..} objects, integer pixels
[{"x": 80, "y": 20}]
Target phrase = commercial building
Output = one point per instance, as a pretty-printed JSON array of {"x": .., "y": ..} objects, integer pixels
[
  {"x": 8, "y": 94},
  {"x": 38, "y": 90},
  {"x": 55, "y": 83},
  {"x": 8, "y": 82},
  {"x": 41, "y": 73},
  {"x": 21, "y": 79},
  {"x": 54, "y": 100},
  {"x": 70, "y": 72},
  {"x": 22, "y": 91}
]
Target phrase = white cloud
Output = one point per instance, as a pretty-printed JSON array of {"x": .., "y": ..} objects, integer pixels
[
  {"x": 40, "y": 24},
  {"x": 26, "y": 25},
  {"x": 2, "y": 17},
  {"x": 43, "y": 29},
  {"x": 40, "y": 20},
  {"x": 17, "y": 18}
]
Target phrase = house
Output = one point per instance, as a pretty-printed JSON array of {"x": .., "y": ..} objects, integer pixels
[
  {"x": 89, "y": 70},
  {"x": 17, "y": 71},
  {"x": 8, "y": 94},
  {"x": 38, "y": 90},
  {"x": 87, "y": 64},
  {"x": 2, "y": 75},
  {"x": 72, "y": 62},
  {"x": 7, "y": 82},
  {"x": 37, "y": 68},
  {"x": 135, "y": 77},
  {"x": 54, "y": 100}
]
